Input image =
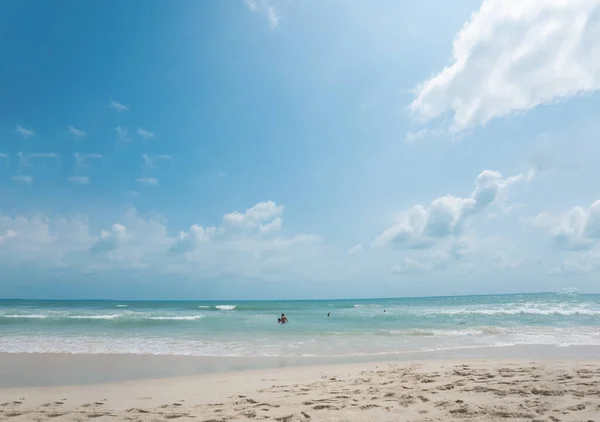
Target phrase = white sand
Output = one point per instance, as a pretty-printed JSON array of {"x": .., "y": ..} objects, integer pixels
[{"x": 422, "y": 391}]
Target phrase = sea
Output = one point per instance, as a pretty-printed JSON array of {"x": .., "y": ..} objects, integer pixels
[{"x": 249, "y": 328}]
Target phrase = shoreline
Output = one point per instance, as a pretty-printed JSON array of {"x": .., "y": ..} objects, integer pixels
[
  {"x": 423, "y": 390},
  {"x": 53, "y": 370}
]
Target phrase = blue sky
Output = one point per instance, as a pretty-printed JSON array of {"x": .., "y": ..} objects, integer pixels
[{"x": 281, "y": 149}]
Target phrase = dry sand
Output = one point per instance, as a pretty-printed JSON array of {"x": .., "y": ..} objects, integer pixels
[{"x": 422, "y": 391}]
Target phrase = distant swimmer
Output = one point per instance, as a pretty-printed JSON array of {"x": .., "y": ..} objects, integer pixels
[
  {"x": 283, "y": 319},
  {"x": 328, "y": 313}
]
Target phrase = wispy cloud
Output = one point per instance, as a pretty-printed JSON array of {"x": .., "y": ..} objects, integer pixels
[
  {"x": 118, "y": 106},
  {"x": 77, "y": 133},
  {"x": 24, "y": 132},
  {"x": 150, "y": 163},
  {"x": 146, "y": 134},
  {"x": 150, "y": 181},
  {"x": 356, "y": 249},
  {"x": 122, "y": 135},
  {"x": 150, "y": 160},
  {"x": 79, "y": 180},
  {"x": 26, "y": 180},
  {"x": 80, "y": 159},
  {"x": 24, "y": 158},
  {"x": 80, "y": 164},
  {"x": 266, "y": 9},
  {"x": 251, "y": 4},
  {"x": 6, "y": 158},
  {"x": 43, "y": 155}
]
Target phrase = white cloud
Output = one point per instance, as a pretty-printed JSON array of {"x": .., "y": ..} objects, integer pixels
[
  {"x": 22, "y": 179},
  {"x": 273, "y": 226},
  {"x": 43, "y": 155},
  {"x": 354, "y": 250},
  {"x": 77, "y": 133},
  {"x": 414, "y": 136},
  {"x": 81, "y": 159},
  {"x": 81, "y": 164},
  {"x": 513, "y": 55},
  {"x": 146, "y": 134},
  {"x": 79, "y": 180},
  {"x": 264, "y": 215},
  {"x": 409, "y": 266},
  {"x": 122, "y": 134},
  {"x": 420, "y": 226},
  {"x": 24, "y": 132},
  {"x": 118, "y": 106},
  {"x": 265, "y": 8},
  {"x": 137, "y": 242},
  {"x": 151, "y": 160},
  {"x": 577, "y": 229},
  {"x": 149, "y": 181}
]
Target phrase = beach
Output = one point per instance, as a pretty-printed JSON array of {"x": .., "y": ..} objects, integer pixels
[
  {"x": 481, "y": 358},
  {"x": 419, "y": 390}
]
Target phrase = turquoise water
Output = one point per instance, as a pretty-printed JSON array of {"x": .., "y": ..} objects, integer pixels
[{"x": 355, "y": 327}]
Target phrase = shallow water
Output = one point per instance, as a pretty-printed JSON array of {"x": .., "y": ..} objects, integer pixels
[{"x": 355, "y": 327}]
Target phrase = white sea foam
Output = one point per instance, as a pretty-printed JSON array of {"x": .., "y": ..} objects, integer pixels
[
  {"x": 108, "y": 317},
  {"x": 25, "y": 316},
  {"x": 225, "y": 307},
  {"x": 287, "y": 346},
  {"x": 122, "y": 306},
  {"x": 177, "y": 318},
  {"x": 203, "y": 307}
]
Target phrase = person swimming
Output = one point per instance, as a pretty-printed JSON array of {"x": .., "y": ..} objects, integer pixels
[{"x": 283, "y": 319}]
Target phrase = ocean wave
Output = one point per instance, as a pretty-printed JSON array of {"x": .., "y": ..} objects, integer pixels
[
  {"x": 25, "y": 316},
  {"x": 448, "y": 332},
  {"x": 122, "y": 306},
  {"x": 172, "y": 344},
  {"x": 177, "y": 318},
  {"x": 516, "y": 311},
  {"x": 105, "y": 317},
  {"x": 225, "y": 307}
]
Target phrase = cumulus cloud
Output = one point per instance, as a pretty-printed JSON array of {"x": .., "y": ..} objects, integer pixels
[
  {"x": 77, "y": 133},
  {"x": 421, "y": 226},
  {"x": 118, "y": 106},
  {"x": 576, "y": 229},
  {"x": 265, "y": 8},
  {"x": 264, "y": 215},
  {"x": 146, "y": 134},
  {"x": 24, "y": 132},
  {"x": 138, "y": 242},
  {"x": 513, "y": 55}
]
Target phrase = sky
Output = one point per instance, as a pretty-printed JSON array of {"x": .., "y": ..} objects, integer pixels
[{"x": 279, "y": 149}]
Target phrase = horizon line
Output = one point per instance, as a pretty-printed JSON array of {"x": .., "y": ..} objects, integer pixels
[{"x": 288, "y": 300}]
